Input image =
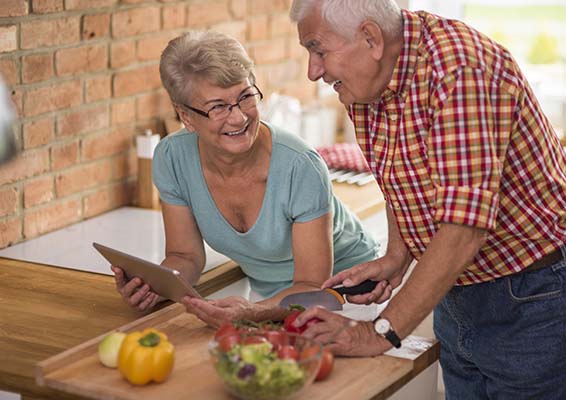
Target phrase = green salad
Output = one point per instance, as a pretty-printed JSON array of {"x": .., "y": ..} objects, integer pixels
[{"x": 254, "y": 371}]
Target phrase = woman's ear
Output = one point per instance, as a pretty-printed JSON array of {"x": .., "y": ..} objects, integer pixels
[
  {"x": 373, "y": 36},
  {"x": 184, "y": 117}
]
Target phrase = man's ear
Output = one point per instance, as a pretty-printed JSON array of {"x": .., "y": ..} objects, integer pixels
[
  {"x": 373, "y": 35},
  {"x": 184, "y": 117}
]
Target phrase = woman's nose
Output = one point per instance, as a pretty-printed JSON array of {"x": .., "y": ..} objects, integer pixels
[{"x": 236, "y": 114}]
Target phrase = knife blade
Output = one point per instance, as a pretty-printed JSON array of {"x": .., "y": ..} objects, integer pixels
[{"x": 330, "y": 298}]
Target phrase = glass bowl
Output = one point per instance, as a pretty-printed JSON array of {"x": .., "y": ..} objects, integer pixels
[{"x": 265, "y": 365}]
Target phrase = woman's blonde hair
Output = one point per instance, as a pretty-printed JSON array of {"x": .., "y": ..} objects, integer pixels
[{"x": 216, "y": 57}]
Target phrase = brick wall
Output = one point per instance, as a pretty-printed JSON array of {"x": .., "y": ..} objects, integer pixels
[{"x": 83, "y": 75}]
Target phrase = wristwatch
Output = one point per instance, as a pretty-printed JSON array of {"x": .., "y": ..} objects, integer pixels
[{"x": 383, "y": 328}]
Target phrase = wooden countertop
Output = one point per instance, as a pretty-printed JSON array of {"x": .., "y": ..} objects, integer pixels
[{"x": 46, "y": 310}]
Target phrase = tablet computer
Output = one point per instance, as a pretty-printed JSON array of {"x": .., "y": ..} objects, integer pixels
[{"x": 167, "y": 282}]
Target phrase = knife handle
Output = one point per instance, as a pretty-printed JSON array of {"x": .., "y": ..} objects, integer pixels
[{"x": 361, "y": 288}]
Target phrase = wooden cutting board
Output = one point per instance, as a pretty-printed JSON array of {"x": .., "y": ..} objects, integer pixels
[{"x": 78, "y": 370}]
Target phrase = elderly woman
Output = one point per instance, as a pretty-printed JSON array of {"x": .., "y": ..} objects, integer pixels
[{"x": 252, "y": 191}]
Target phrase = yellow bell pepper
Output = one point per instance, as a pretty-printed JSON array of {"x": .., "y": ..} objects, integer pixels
[{"x": 146, "y": 356}]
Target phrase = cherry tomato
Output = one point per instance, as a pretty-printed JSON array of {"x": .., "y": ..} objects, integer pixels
[
  {"x": 254, "y": 339},
  {"x": 326, "y": 365},
  {"x": 310, "y": 323},
  {"x": 225, "y": 329},
  {"x": 288, "y": 352},
  {"x": 326, "y": 362},
  {"x": 276, "y": 338},
  {"x": 228, "y": 341}
]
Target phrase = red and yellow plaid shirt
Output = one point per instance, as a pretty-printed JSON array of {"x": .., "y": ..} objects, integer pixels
[{"x": 458, "y": 137}]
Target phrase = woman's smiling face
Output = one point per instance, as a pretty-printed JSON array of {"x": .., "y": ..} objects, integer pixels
[{"x": 237, "y": 132}]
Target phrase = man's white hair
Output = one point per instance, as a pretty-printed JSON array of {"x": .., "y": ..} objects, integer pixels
[{"x": 345, "y": 16}]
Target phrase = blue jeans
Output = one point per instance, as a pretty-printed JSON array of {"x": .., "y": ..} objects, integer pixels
[{"x": 505, "y": 339}]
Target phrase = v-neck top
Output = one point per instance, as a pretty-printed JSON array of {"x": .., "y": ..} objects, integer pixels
[{"x": 298, "y": 189}]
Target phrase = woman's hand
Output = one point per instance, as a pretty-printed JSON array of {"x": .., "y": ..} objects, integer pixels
[
  {"x": 389, "y": 277},
  {"x": 135, "y": 292},
  {"x": 216, "y": 312},
  {"x": 342, "y": 335}
]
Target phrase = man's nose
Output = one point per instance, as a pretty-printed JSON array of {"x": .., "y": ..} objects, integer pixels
[{"x": 316, "y": 69}]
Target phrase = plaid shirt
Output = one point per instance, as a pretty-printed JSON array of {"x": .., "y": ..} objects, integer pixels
[{"x": 458, "y": 137}]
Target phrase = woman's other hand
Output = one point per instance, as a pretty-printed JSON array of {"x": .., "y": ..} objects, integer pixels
[
  {"x": 135, "y": 292},
  {"x": 216, "y": 312}
]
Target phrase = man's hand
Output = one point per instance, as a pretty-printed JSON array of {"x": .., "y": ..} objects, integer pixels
[
  {"x": 342, "y": 335},
  {"x": 387, "y": 274}
]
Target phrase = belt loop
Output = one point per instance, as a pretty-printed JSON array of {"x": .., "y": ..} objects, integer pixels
[{"x": 563, "y": 250}]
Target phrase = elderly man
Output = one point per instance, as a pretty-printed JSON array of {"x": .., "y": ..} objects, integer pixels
[{"x": 475, "y": 183}]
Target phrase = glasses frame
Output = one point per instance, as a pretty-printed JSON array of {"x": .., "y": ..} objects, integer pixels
[{"x": 230, "y": 106}]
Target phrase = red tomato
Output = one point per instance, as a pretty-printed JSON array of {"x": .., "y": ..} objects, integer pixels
[
  {"x": 276, "y": 338},
  {"x": 310, "y": 323},
  {"x": 288, "y": 322},
  {"x": 228, "y": 341},
  {"x": 288, "y": 352},
  {"x": 225, "y": 329},
  {"x": 326, "y": 363},
  {"x": 253, "y": 339}
]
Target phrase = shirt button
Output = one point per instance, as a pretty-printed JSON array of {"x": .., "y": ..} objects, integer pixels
[
  {"x": 411, "y": 244},
  {"x": 396, "y": 205},
  {"x": 393, "y": 117}
]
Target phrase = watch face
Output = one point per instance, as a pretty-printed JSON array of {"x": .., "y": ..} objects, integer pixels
[{"x": 382, "y": 326}]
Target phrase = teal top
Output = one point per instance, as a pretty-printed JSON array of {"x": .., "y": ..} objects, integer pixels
[{"x": 298, "y": 190}]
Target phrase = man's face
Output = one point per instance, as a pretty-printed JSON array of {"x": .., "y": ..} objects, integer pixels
[{"x": 345, "y": 64}]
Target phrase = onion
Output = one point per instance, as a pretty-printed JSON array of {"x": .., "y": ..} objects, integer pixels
[{"x": 109, "y": 348}]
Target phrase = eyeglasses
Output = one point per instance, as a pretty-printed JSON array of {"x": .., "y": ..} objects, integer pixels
[{"x": 248, "y": 101}]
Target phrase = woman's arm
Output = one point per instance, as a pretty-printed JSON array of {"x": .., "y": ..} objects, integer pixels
[{"x": 184, "y": 247}]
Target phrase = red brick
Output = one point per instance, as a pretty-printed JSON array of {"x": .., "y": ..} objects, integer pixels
[
  {"x": 304, "y": 91},
  {"x": 38, "y": 191},
  {"x": 81, "y": 59},
  {"x": 239, "y": 9},
  {"x": 119, "y": 140},
  {"x": 147, "y": 106},
  {"x": 269, "y": 52},
  {"x": 9, "y": 71},
  {"x": 25, "y": 165},
  {"x": 88, "y": 4},
  {"x": 37, "y": 67},
  {"x": 237, "y": 29},
  {"x": 50, "y": 32},
  {"x": 10, "y": 232},
  {"x": 122, "y": 53},
  {"x": 151, "y": 47},
  {"x": 76, "y": 123},
  {"x": 83, "y": 177},
  {"x": 281, "y": 25},
  {"x": 257, "y": 7},
  {"x": 14, "y": 8},
  {"x": 98, "y": 88},
  {"x": 96, "y": 26},
  {"x": 64, "y": 155},
  {"x": 47, "y": 6},
  {"x": 124, "y": 165},
  {"x": 17, "y": 97},
  {"x": 174, "y": 16},
  {"x": 57, "y": 96},
  {"x": 38, "y": 133},
  {"x": 51, "y": 217},
  {"x": 8, "y": 201},
  {"x": 208, "y": 12},
  {"x": 8, "y": 38},
  {"x": 136, "y": 21},
  {"x": 106, "y": 199},
  {"x": 136, "y": 81},
  {"x": 123, "y": 112},
  {"x": 257, "y": 28},
  {"x": 166, "y": 107},
  {"x": 133, "y": 1}
]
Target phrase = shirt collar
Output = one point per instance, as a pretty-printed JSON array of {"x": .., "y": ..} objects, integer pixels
[{"x": 406, "y": 63}]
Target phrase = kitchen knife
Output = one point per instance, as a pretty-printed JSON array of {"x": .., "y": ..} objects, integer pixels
[{"x": 329, "y": 298}]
